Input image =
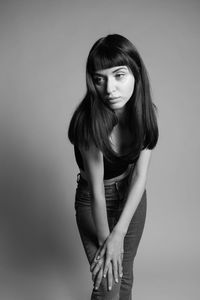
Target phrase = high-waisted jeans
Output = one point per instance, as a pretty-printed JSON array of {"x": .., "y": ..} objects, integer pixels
[{"x": 115, "y": 195}]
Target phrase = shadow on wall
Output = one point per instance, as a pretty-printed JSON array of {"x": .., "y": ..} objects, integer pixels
[{"x": 36, "y": 234}]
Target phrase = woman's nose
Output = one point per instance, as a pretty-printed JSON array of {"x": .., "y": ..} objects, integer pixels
[{"x": 110, "y": 86}]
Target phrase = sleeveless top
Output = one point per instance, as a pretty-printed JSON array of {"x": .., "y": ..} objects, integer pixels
[{"x": 110, "y": 169}]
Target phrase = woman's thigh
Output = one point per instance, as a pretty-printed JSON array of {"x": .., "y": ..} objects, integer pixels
[
  {"x": 88, "y": 235},
  {"x": 131, "y": 243},
  {"x": 89, "y": 240},
  {"x": 84, "y": 217},
  {"x": 87, "y": 229},
  {"x": 135, "y": 229}
]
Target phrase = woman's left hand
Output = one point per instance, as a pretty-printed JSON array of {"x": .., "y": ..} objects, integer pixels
[
  {"x": 112, "y": 249},
  {"x": 97, "y": 275}
]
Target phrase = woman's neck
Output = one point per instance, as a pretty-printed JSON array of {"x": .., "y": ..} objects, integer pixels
[{"x": 121, "y": 116}]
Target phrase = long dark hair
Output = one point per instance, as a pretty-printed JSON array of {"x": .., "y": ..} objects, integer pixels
[{"x": 93, "y": 120}]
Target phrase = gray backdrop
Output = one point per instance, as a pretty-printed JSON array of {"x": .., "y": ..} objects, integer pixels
[{"x": 43, "y": 50}]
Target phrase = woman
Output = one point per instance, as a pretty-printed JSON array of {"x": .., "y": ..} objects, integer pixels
[{"x": 114, "y": 130}]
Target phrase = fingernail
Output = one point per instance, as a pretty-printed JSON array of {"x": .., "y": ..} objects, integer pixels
[
  {"x": 116, "y": 279},
  {"x": 104, "y": 275},
  {"x": 121, "y": 275},
  {"x": 96, "y": 288},
  {"x": 98, "y": 257},
  {"x": 109, "y": 288}
]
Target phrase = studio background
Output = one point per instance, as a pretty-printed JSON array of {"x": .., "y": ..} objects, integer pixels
[{"x": 43, "y": 50}]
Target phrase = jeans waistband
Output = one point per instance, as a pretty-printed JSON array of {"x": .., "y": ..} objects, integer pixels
[{"x": 110, "y": 181}]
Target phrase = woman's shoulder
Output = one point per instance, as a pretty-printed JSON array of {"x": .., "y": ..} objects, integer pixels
[{"x": 79, "y": 127}]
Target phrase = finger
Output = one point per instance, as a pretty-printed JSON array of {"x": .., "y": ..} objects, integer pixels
[
  {"x": 101, "y": 253},
  {"x": 120, "y": 268},
  {"x": 110, "y": 277},
  {"x": 95, "y": 260},
  {"x": 97, "y": 268},
  {"x": 122, "y": 255},
  {"x": 93, "y": 265},
  {"x": 106, "y": 266},
  {"x": 95, "y": 273},
  {"x": 115, "y": 269},
  {"x": 98, "y": 279}
]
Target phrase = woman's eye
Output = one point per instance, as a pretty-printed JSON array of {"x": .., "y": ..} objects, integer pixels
[
  {"x": 120, "y": 75},
  {"x": 99, "y": 80}
]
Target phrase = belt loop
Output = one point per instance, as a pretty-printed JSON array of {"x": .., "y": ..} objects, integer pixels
[
  {"x": 78, "y": 177},
  {"x": 116, "y": 185}
]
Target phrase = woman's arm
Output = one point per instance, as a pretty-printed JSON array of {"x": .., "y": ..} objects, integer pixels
[
  {"x": 136, "y": 190},
  {"x": 112, "y": 246},
  {"x": 94, "y": 169}
]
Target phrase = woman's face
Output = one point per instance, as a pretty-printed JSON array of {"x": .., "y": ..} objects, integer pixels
[{"x": 115, "y": 86}]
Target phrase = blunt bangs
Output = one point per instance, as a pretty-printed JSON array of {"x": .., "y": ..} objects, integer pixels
[{"x": 106, "y": 57}]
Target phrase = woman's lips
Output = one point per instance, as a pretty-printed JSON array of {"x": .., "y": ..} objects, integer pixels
[{"x": 113, "y": 99}]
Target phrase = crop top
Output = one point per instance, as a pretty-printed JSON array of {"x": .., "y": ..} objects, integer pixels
[{"x": 110, "y": 169}]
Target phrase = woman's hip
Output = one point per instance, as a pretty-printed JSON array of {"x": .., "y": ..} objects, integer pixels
[{"x": 115, "y": 192}]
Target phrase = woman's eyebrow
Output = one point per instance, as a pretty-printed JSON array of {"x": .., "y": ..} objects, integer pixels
[
  {"x": 114, "y": 71},
  {"x": 119, "y": 69}
]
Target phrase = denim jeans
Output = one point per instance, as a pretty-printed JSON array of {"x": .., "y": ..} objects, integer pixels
[{"x": 115, "y": 195}]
